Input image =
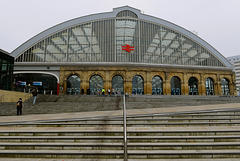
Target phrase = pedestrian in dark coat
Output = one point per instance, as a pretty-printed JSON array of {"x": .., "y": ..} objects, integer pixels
[{"x": 19, "y": 106}]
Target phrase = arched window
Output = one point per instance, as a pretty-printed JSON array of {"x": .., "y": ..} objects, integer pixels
[
  {"x": 193, "y": 86},
  {"x": 137, "y": 85},
  {"x": 209, "y": 86},
  {"x": 127, "y": 13},
  {"x": 225, "y": 86},
  {"x": 175, "y": 86},
  {"x": 117, "y": 84},
  {"x": 157, "y": 85},
  {"x": 73, "y": 85},
  {"x": 96, "y": 84}
]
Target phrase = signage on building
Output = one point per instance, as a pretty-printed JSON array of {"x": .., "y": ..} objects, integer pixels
[
  {"x": 37, "y": 83},
  {"x": 23, "y": 83},
  {"x": 128, "y": 48}
]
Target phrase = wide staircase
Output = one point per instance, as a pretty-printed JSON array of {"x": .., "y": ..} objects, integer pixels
[{"x": 194, "y": 135}]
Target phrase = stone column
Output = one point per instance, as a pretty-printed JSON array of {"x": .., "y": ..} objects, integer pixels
[
  {"x": 148, "y": 84},
  {"x": 107, "y": 83},
  {"x": 202, "y": 86},
  {"x": 128, "y": 83},
  {"x": 167, "y": 84},
  {"x": 218, "y": 89},
  {"x": 184, "y": 85},
  {"x": 65, "y": 86}
]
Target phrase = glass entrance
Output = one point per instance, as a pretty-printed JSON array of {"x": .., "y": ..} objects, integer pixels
[
  {"x": 117, "y": 84},
  {"x": 209, "y": 86},
  {"x": 193, "y": 86},
  {"x": 175, "y": 86},
  {"x": 73, "y": 85},
  {"x": 96, "y": 85},
  {"x": 157, "y": 86},
  {"x": 137, "y": 85},
  {"x": 225, "y": 86}
]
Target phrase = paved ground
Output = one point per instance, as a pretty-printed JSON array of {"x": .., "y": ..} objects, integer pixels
[{"x": 75, "y": 115}]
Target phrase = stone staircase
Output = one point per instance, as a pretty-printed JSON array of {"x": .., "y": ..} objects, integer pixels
[
  {"x": 196, "y": 135},
  {"x": 49, "y": 104}
]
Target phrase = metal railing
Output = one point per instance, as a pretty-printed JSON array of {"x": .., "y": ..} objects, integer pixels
[{"x": 125, "y": 128}]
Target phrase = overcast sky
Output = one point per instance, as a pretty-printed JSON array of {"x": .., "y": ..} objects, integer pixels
[{"x": 215, "y": 21}]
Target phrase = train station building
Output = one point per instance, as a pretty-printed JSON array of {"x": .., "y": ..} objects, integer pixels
[{"x": 124, "y": 50}]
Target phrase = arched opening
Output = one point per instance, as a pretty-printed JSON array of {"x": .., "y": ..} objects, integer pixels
[
  {"x": 225, "y": 86},
  {"x": 96, "y": 85},
  {"x": 73, "y": 85},
  {"x": 175, "y": 86},
  {"x": 209, "y": 86},
  {"x": 117, "y": 84},
  {"x": 157, "y": 85},
  {"x": 45, "y": 83},
  {"x": 137, "y": 85},
  {"x": 193, "y": 86}
]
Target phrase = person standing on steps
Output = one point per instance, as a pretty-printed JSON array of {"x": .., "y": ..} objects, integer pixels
[
  {"x": 103, "y": 92},
  {"x": 34, "y": 93},
  {"x": 19, "y": 106}
]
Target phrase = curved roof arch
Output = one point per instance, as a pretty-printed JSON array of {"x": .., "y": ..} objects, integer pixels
[{"x": 108, "y": 15}]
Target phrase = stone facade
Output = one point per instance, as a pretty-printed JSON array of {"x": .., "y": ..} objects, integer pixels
[{"x": 147, "y": 73}]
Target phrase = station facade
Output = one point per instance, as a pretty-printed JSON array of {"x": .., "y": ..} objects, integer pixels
[
  {"x": 124, "y": 51},
  {"x": 6, "y": 70}
]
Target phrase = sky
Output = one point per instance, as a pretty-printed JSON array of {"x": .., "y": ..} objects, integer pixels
[{"x": 216, "y": 21}]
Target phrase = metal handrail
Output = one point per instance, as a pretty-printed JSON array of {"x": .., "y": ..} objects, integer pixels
[{"x": 125, "y": 128}]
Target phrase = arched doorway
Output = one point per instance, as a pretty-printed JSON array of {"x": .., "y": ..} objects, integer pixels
[
  {"x": 96, "y": 85},
  {"x": 137, "y": 85},
  {"x": 209, "y": 86},
  {"x": 193, "y": 86},
  {"x": 225, "y": 86},
  {"x": 157, "y": 85},
  {"x": 175, "y": 86},
  {"x": 73, "y": 85},
  {"x": 117, "y": 84}
]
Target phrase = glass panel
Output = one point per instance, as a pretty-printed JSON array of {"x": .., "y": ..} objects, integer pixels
[
  {"x": 96, "y": 85},
  {"x": 103, "y": 41},
  {"x": 24, "y": 82},
  {"x": 175, "y": 86},
  {"x": 193, "y": 86},
  {"x": 157, "y": 86},
  {"x": 225, "y": 86},
  {"x": 209, "y": 86},
  {"x": 73, "y": 85},
  {"x": 117, "y": 85},
  {"x": 137, "y": 85}
]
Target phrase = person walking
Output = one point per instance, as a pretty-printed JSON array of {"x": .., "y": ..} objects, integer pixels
[
  {"x": 109, "y": 91},
  {"x": 103, "y": 92},
  {"x": 34, "y": 93},
  {"x": 19, "y": 106}
]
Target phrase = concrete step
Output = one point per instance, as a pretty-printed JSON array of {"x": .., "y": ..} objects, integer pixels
[
  {"x": 61, "y": 146},
  {"x": 183, "y": 146},
  {"x": 73, "y": 154},
  {"x": 119, "y": 146},
  {"x": 38, "y": 159},
  {"x": 113, "y": 139},
  {"x": 65, "y": 139},
  {"x": 132, "y": 124},
  {"x": 176, "y": 139},
  {"x": 118, "y": 154},
  {"x": 63, "y": 159},
  {"x": 182, "y": 154}
]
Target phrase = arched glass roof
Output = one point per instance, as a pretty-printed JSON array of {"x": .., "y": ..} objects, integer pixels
[{"x": 101, "y": 37}]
